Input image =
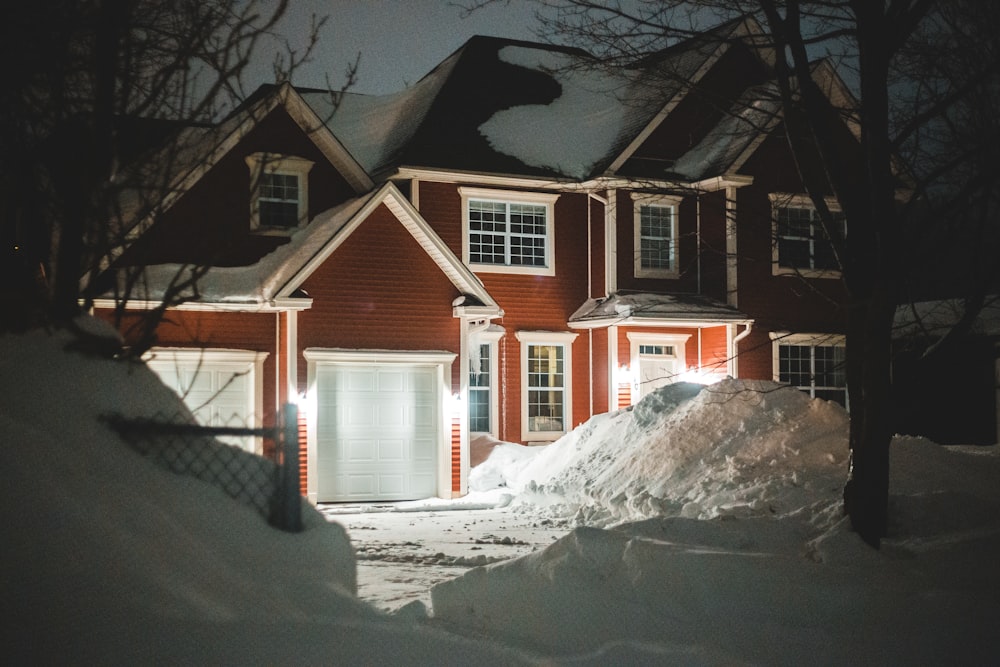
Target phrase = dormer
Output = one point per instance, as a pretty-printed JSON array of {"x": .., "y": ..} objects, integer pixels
[{"x": 279, "y": 192}]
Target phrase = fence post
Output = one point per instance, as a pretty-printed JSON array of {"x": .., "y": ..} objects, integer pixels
[{"x": 291, "y": 501}]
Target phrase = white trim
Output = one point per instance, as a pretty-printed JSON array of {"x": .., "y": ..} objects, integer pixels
[
  {"x": 811, "y": 339},
  {"x": 639, "y": 200},
  {"x": 564, "y": 339},
  {"x": 288, "y": 165},
  {"x": 546, "y": 200},
  {"x": 276, "y": 305},
  {"x": 732, "y": 258},
  {"x": 491, "y": 338},
  {"x": 787, "y": 200},
  {"x": 441, "y": 360},
  {"x": 611, "y": 243}
]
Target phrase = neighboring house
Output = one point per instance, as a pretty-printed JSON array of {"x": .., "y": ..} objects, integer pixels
[
  {"x": 948, "y": 391},
  {"x": 508, "y": 247}
]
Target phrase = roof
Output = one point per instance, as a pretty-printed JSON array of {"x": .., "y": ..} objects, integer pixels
[
  {"x": 645, "y": 308},
  {"x": 510, "y": 107},
  {"x": 279, "y": 274},
  {"x": 935, "y": 318}
]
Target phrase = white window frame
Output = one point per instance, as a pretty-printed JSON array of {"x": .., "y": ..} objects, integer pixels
[
  {"x": 785, "y": 200},
  {"x": 565, "y": 340},
  {"x": 673, "y": 203},
  {"x": 779, "y": 338},
  {"x": 289, "y": 165},
  {"x": 547, "y": 200},
  {"x": 489, "y": 338}
]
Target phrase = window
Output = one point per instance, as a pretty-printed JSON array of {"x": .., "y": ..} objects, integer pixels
[
  {"x": 546, "y": 386},
  {"x": 655, "y": 237},
  {"x": 278, "y": 192},
  {"x": 480, "y": 396},
  {"x": 813, "y": 363},
  {"x": 508, "y": 232},
  {"x": 801, "y": 244}
]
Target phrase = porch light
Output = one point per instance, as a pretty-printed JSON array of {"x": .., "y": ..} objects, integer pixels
[{"x": 624, "y": 375}]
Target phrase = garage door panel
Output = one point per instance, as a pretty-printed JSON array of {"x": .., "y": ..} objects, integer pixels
[
  {"x": 392, "y": 450},
  {"x": 392, "y": 381},
  {"x": 377, "y": 432}
]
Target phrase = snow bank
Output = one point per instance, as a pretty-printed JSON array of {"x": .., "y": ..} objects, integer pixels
[
  {"x": 109, "y": 559},
  {"x": 744, "y": 556},
  {"x": 695, "y": 451}
]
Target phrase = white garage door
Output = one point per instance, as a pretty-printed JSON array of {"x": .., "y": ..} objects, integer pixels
[
  {"x": 217, "y": 386},
  {"x": 377, "y": 431}
]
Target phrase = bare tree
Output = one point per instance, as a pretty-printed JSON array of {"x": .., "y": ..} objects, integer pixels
[
  {"x": 94, "y": 86},
  {"x": 925, "y": 76}
]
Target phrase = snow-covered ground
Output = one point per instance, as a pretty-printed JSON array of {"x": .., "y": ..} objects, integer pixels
[{"x": 708, "y": 531}]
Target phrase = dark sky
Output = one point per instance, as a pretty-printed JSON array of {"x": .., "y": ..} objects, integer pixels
[{"x": 399, "y": 40}]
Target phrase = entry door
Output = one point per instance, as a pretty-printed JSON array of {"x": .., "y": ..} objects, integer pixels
[
  {"x": 659, "y": 365},
  {"x": 378, "y": 430}
]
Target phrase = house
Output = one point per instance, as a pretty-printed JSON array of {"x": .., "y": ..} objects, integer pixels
[{"x": 511, "y": 245}]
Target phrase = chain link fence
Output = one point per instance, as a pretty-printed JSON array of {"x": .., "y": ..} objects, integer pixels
[{"x": 269, "y": 485}]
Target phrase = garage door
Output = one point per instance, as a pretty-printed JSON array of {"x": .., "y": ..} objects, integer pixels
[
  {"x": 217, "y": 386},
  {"x": 377, "y": 431}
]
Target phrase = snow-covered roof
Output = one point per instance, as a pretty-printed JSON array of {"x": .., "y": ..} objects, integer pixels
[
  {"x": 728, "y": 143},
  {"x": 644, "y": 307},
  {"x": 935, "y": 318},
  {"x": 279, "y": 273},
  {"x": 375, "y": 128}
]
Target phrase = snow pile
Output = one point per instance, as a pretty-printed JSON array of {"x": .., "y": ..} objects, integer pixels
[
  {"x": 696, "y": 451},
  {"x": 746, "y": 557},
  {"x": 111, "y": 559}
]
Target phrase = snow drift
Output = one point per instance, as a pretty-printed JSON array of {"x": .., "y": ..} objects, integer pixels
[
  {"x": 690, "y": 450},
  {"x": 734, "y": 548}
]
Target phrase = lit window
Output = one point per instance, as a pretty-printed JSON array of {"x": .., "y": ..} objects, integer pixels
[
  {"x": 278, "y": 192},
  {"x": 545, "y": 367},
  {"x": 480, "y": 394},
  {"x": 813, "y": 363},
  {"x": 508, "y": 232},
  {"x": 655, "y": 237},
  {"x": 801, "y": 244}
]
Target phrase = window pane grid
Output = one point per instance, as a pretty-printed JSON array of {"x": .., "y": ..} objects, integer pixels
[
  {"x": 507, "y": 234},
  {"x": 546, "y": 381},
  {"x": 801, "y": 240},
  {"x": 819, "y": 370},
  {"x": 479, "y": 392},
  {"x": 278, "y": 200},
  {"x": 656, "y": 242}
]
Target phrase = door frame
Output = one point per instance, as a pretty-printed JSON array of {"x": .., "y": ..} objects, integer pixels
[
  {"x": 441, "y": 361},
  {"x": 637, "y": 338}
]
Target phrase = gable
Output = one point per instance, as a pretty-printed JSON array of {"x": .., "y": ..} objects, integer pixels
[
  {"x": 427, "y": 240},
  {"x": 209, "y": 224},
  {"x": 702, "y": 108},
  {"x": 379, "y": 289}
]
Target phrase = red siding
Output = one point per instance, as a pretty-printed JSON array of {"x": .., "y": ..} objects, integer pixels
[
  {"x": 530, "y": 303},
  {"x": 242, "y": 331},
  {"x": 379, "y": 290}
]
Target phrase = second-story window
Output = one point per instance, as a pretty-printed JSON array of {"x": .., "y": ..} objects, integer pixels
[
  {"x": 279, "y": 200},
  {"x": 508, "y": 232},
  {"x": 801, "y": 242},
  {"x": 655, "y": 237}
]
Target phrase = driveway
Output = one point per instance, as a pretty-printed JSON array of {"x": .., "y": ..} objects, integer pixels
[{"x": 402, "y": 554}]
